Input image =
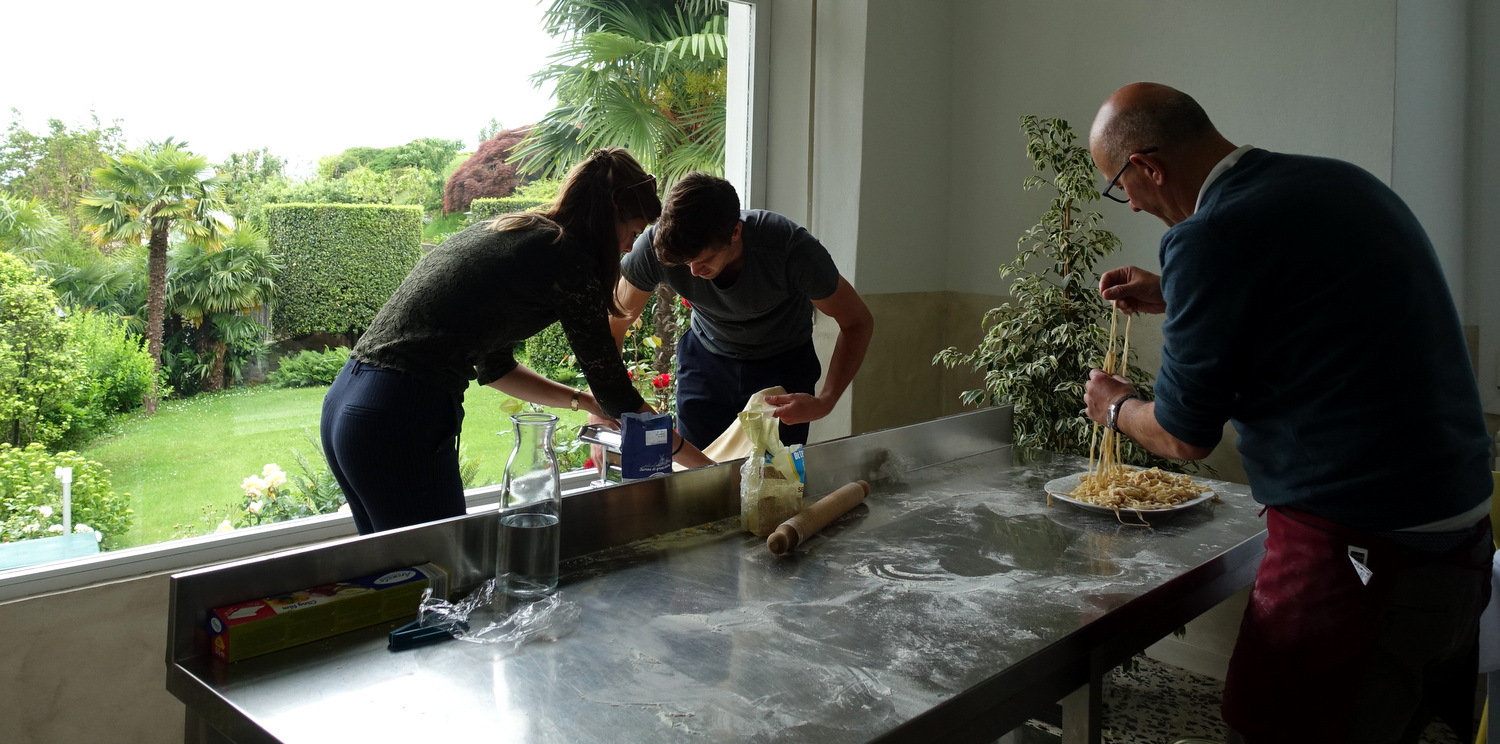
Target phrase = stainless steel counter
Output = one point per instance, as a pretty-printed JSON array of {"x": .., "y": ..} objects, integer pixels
[{"x": 954, "y": 604}]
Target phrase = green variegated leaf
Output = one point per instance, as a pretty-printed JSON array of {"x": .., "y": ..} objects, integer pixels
[{"x": 1037, "y": 347}]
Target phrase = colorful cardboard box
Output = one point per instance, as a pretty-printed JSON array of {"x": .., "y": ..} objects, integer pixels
[{"x": 260, "y": 626}]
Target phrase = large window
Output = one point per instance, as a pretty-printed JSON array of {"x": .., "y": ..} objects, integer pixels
[{"x": 333, "y": 153}]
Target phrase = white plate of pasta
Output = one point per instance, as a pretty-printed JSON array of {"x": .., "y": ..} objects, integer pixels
[{"x": 1141, "y": 491}]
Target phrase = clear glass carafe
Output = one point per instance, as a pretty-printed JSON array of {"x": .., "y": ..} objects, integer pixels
[{"x": 530, "y": 507}]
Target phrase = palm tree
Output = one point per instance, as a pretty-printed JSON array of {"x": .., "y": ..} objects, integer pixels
[
  {"x": 149, "y": 193},
  {"x": 214, "y": 290},
  {"x": 647, "y": 76},
  {"x": 26, "y": 226},
  {"x": 109, "y": 284}
]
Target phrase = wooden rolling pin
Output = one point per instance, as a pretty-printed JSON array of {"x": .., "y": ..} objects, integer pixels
[{"x": 806, "y": 523}]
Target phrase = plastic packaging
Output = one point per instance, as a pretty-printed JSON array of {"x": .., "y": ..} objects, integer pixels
[
  {"x": 493, "y": 617},
  {"x": 530, "y": 510},
  {"x": 771, "y": 478}
]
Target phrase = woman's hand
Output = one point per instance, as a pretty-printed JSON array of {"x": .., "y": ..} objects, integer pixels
[{"x": 1133, "y": 290}]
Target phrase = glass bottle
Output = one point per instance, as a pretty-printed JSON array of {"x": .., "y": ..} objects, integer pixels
[{"x": 530, "y": 507}]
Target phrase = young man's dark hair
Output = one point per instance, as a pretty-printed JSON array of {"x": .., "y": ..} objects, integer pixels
[{"x": 700, "y": 213}]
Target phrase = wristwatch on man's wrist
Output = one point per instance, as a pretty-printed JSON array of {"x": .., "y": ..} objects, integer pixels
[{"x": 1113, "y": 420}]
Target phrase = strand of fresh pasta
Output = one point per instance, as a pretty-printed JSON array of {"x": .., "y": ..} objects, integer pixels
[
  {"x": 1107, "y": 452},
  {"x": 1108, "y": 482},
  {"x": 1122, "y": 365}
]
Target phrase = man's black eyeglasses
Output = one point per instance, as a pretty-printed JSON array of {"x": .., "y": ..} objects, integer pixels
[{"x": 1113, "y": 182}]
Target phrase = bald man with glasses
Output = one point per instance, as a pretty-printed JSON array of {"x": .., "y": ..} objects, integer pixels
[{"x": 1305, "y": 305}]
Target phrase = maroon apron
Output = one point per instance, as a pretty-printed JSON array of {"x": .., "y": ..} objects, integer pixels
[{"x": 1329, "y": 651}]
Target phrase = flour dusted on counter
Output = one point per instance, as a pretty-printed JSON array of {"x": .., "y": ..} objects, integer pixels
[{"x": 771, "y": 478}]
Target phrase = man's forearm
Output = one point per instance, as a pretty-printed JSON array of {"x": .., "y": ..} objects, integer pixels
[
  {"x": 1138, "y": 421},
  {"x": 848, "y": 354}
]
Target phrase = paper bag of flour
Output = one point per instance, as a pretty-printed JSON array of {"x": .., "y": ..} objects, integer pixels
[{"x": 645, "y": 445}]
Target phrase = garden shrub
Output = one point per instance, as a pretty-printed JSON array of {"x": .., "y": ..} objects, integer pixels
[
  {"x": 549, "y": 355},
  {"x": 309, "y": 368},
  {"x": 117, "y": 374},
  {"x": 488, "y": 173},
  {"x": 31, "y": 496},
  {"x": 39, "y": 365},
  {"x": 339, "y": 263},
  {"x": 276, "y": 496}
]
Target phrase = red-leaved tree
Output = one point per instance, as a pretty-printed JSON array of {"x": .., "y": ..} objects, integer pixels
[{"x": 488, "y": 174}]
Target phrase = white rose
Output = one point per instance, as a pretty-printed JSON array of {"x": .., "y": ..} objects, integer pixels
[
  {"x": 45, "y": 511},
  {"x": 57, "y": 528},
  {"x": 224, "y": 526}
]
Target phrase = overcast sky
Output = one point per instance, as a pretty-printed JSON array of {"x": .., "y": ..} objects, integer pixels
[{"x": 305, "y": 78}]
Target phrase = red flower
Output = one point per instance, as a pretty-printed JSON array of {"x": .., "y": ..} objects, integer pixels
[
  {"x": 662, "y": 380},
  {"x": 589, "y": 464},
  {"x": 685, "y": 303},
  {"x": 630, "y": 373}
]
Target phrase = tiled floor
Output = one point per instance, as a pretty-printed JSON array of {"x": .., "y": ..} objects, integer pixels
[{"x": 1149, "y": 702}]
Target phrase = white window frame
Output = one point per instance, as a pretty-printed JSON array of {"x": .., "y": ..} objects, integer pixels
[
  {"x": 745, "y": 166},
  {"x": 747, "y": 90}
]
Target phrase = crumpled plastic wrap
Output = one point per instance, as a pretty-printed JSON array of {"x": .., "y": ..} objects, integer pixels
[
  {"x": 491, "y": 617},
  {"x": 770, "y": 484}
]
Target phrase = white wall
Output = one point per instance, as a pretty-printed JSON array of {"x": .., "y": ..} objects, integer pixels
[
  {"x": 1428, "y": 155},
  {"x": 1482, "y": 245},
  {"x": 1281, "y": 74},
  {"x": 1408, "y": 89},
  {"x": 904, "y": 178}
]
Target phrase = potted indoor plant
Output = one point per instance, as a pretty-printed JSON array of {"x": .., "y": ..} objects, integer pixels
[{"x": 1039, "y": 346}]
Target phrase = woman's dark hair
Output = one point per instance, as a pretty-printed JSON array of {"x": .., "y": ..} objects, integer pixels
[
  {"x": 701, "y": 213},
  {"x": 606, "y": 188}
]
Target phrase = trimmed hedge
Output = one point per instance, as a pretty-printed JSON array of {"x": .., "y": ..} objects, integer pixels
[
  {"x": 548, "y": 354},
  {"x": 340, "y": 263},
  {"x": 483, "y": 209}
]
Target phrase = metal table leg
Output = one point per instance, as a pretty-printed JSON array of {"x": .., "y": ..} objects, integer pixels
[{"x": 1082, "y": 713}]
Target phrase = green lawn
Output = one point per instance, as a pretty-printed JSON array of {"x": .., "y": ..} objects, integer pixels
[{"x": 183, "y": 466}]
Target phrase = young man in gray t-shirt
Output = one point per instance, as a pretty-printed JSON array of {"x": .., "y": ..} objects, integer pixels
[{"x": 753, "y": 279}]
